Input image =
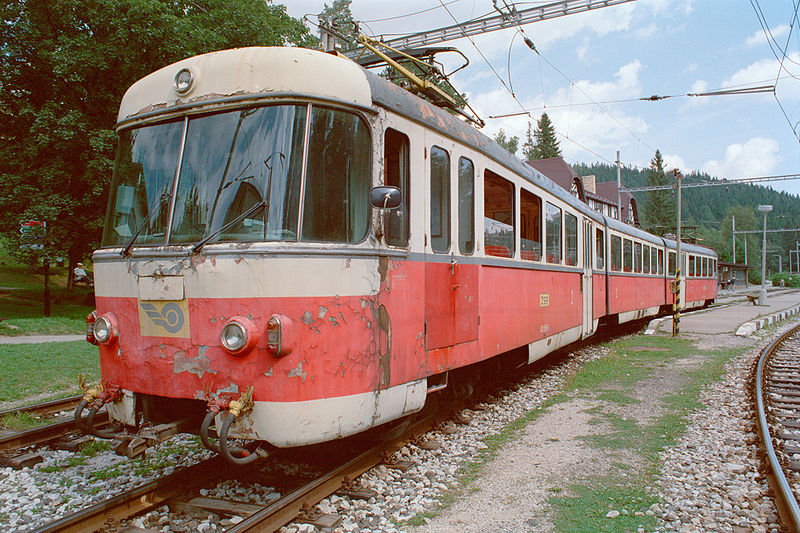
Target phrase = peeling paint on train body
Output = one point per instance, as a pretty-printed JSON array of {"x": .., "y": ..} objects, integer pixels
[{"x": 344, "y": 345}]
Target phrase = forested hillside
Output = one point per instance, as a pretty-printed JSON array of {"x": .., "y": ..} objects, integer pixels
[{"x": 707, "y": 212}]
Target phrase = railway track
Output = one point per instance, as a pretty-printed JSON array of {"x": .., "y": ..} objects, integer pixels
[
  {"x": 181, "y": 491},
  {"x": 777, "y": 398},
  {"x": 12, "y": 441}
]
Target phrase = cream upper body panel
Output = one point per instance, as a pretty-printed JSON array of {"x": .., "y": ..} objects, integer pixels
[{"x": 249, "y": 71}]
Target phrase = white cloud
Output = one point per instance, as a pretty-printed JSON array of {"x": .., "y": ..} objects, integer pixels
[
  {"x": 764, "y": 72},
  {"x": 758, "y": 38},
  {"x": 672, "y": 161},
  {"x": 700, "y": 86},
  {"x": 756, "y": 157},
  {"x": 761, "y": 71},
  {"x": 625, "y": 85},
  {"x": 647, "y": 31}
]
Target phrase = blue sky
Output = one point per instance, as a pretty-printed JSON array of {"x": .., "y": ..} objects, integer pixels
[{"x": 625, "y": 52}]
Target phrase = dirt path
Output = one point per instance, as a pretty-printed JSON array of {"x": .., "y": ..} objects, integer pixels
[{"x": 600, "y": 432}]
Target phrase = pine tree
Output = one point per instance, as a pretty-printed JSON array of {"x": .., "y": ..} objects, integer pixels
[
  {"x": 509, "y": 143},
  {"x": 529, "y": 148},
  {"x": 546, "y": 142},
  {"x": 659, "y": 207}
]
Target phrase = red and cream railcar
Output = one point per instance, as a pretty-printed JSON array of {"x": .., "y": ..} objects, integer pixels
[{"x": 252, "y": 273}]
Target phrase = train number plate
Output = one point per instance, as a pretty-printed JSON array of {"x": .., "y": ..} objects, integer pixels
[{"x": 544, "y": 300}]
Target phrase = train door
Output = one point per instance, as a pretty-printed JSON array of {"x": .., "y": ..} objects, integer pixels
[
  {"x": 451, "y": 286},
  {"x": 586, "y": 278}
]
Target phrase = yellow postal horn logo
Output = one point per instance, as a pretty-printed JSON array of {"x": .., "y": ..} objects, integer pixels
[{"x": 164, "y": 319}]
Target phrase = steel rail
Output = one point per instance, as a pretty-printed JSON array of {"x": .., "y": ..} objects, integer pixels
[
  {"x": 59, "y": 404},
  {"x": 288, "y": 507},
  {"x": 791, "y": 507},
  {"x": 43, "y": 434},
  {"x": 138, "y": 500}
]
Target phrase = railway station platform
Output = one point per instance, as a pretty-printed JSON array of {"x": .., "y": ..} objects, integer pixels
[{"x": 734, "y": 314}]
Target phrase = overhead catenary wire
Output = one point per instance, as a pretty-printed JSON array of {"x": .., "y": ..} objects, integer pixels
[{"x": 772, "y": 42}]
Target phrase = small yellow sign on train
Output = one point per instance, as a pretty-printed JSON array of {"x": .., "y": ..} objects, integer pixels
[
  {"x": 164, "y": 319},
  {"x": 544, "y": 300}
]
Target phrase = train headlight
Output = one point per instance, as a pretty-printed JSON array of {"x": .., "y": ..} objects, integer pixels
[
  {"x": 105, "y": 328},
  {"x": 184, "y": 80},
  {"x": 238, "y": 335}
]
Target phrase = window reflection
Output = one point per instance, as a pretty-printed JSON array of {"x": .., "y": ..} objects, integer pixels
[
  {"x": 147, "y": 160},
  {"x": 244, "y": 164},
  {"x": 232, "y": 161}
]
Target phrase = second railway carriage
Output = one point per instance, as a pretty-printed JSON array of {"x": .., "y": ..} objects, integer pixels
[{"x": 296, "y": 250}]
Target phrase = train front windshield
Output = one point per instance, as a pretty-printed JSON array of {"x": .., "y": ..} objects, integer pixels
[{"x": 240, "y": 177}]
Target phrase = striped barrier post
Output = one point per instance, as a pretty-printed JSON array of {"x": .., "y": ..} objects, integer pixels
[{"x": 676, "y": 305}]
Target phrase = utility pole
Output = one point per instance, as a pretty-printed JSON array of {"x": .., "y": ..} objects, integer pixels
[
  {"x": 619, "y": 190},
  {"x": 676, "y": 305},
  {"x": 762, "y": 294},
  {"x": 733, "y": 236}
]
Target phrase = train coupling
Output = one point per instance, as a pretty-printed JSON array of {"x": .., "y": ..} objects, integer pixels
[
  {"x": 243, "y": 404},
  {"x": 95, "y": 397},
  {"x": 235, "y": 455},
  {"x": 133, "y": 446}
]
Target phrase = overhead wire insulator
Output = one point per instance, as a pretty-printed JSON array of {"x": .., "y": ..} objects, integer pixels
[{"x": 530, "y": 44}]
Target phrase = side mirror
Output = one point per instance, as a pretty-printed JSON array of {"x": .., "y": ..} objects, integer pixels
[{"x": 386, "y": 197}]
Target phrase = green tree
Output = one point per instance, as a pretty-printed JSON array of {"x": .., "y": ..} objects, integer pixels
[
  {"x": 546, "y": 143},
  {"x": 339, "y": 19},
  {"x": 659, "y": 207},
  {"x": 511, "y": 144},
  {"x": 64, "y": 66},
  {"x": 529, "y": 147}
]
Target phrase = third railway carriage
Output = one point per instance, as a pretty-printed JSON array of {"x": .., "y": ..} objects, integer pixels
[{"x": 296, "y": 250}]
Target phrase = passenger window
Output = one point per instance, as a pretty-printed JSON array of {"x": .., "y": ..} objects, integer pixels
[
  {"x": 440, "y": 200},
  {"x": 671, "y": 265},
  {"x": 627, "y": 255},
  {"x": 646, "y": 259},
  {"x": 336, "y": 204},
  {"x": 466, "y": 206},
  {"x": 498, "y": 215},
  {"x": 691, "y": 266},
  {"x": 654, "y": 260},
  {"x": 395, "y": 167},
  {"x": 600, "y": 257},
  {"x": 553, "y": 233},
  {"x": 616, "y": 253},
  {"x": 530, "y": 226},
  {"x": 571, "y": 238},
  {"x": 637, "y": 257},
  {"x": 661, "y": 262},
  {"x": 705, "y": 266}
]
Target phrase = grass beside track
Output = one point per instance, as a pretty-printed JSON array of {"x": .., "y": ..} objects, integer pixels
[{"x": 32, "y": 370}]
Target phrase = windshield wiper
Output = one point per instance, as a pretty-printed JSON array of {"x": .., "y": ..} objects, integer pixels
[
  {"x": 127, "y": 250},
  {"x": 197, "y": 247}
]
